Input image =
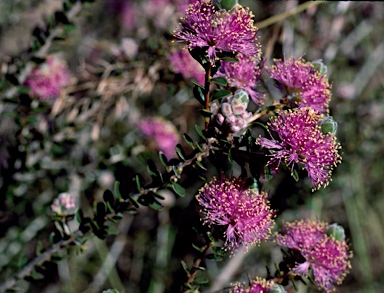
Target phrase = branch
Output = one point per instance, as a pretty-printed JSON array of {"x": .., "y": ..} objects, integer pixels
[
  {"x": 286, "y": 14},
  {"x": 45, "y": 256}
]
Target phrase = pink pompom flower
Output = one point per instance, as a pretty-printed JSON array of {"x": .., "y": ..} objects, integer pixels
[
  {"x": 182, "y": 62},
  {"x": 305, "y": 85},
  {"x": 244, "y": 74},
  {"x": 163, "y": 133},
  {"x": 301, "y": 141},
  {"x": 229, "y": 31},
  {"x": 47, "y": 80},
  {"x": 245, "y": 212},
  {"x": 327, "y": 257}
]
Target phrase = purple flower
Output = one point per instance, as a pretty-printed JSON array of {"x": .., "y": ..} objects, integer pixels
[
  {"x": 304, "y": 84},
  {"x": 244, "y": 74},
  {"x": 163, "y": 134},
  {"x": 301, "y": 235},
  {"x": 203, "y": 26},
  {"x": 47, "y": 80},
  {"x": 183, "y": 63},
  {"x": 245, "y": 212},
  {"x": 301, "y": 141},
  {"x": 257, "y": 285},
  {"x": 327, "y": 257}
]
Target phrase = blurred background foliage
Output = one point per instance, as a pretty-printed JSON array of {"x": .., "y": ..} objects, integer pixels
[{"x": 88, "y": 138}]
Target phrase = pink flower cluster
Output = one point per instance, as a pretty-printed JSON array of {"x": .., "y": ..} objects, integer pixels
[
  {"x": 64, "y": 205},
  {"x": 244, "y": 74},
  {"x": 47, "y": 80},
  {"x": 327, "y": 256},
  {"x": 218, "y": 31},
  {"x": 305, "y": 85},
  {"x": 182, "y": 62},
  {"x": 301, "y": 141},
  {"x": 163, "y": 133},
  {"x": 245, "y": 212}
]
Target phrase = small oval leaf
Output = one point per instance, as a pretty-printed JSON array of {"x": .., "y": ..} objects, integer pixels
[
  {"x": 220, "y": 81},
  {"x": 221, "y": 94}
]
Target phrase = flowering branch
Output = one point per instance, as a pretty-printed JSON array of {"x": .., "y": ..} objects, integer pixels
[{"x": 96, "y": 225}]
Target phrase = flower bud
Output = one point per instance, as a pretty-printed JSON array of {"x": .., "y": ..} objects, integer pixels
[
  {"x": 64, "y": 205},
  {"x": 277, "y": 289},
  {"x": 336, "y": 231},
  {"x": 226, "y": 109},
  {"x": 224, "y": 4},
  {"x": 320, "y": 67},
  {"x": 239, "y": 102},
  {"x": 328, "y": 125}
]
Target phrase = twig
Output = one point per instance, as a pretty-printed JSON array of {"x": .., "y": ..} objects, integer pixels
[
  {"x": 280, "y": 17},
  {"x": 45, "y": 256},
  {"x": 195, "y": 268}
]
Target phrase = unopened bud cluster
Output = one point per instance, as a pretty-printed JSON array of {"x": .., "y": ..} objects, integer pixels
[
  {"x": 232, "y": 115},
  {"x": 64, "y": 205}
]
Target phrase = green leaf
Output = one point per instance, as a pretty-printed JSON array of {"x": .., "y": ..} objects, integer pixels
[
  {"x": 139, "y": 182},
  {"x": 79, "y": 216},
  {"x": 108, "y": 197},
  {"x": 205, "y": 113},
  {"x": 201, "y": 280},
  {"x": 39, "y": 247},
  {"x": 180, "y": 152},
  {"x": 178, "y": 189},
  {"x": 201, "y": 165},
  {"x": 194, "y": 81},
  {"x": 229, "y": 59},
  {"x": 101, "y": 209},
  {"x": 220, "y": 81},
  {"x": 110, "y": 210},
  {"x": 116, "y": 189},
  {"x": 200, "y": 148},
  {"x": 199, "y": 95},
  {"x": 202, "y": 177},
  {"x": 268, "y": 173},
  {"x": 152, "y": 169},
  {"x": 155, "y": 205},
  {"x": 111, "y": 230},
  {"x": 221, "y": 94},
  {"x": 260, "y": 124},
  {"x": 185, "y": 267},
  {"x": 176, "y": 171},
  {"x": 133, "y": 201},
  {"x": 199, "y": 131},
  {"x": 230, "y": 159},
  {"x": 22, "y": 261},
  {"x": 36, "y": 276},
  {"x": 189, "y": 140},
  {"x": 197, "y": 247},
  {"x": 163, "y": 159},
  {"x": 295, "y": 175}
]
